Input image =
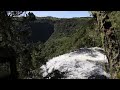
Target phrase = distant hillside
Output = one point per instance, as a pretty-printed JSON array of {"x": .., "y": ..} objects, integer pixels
[
  {"x": 44, "y": 27},
  {"x": 63, "y": 35}
]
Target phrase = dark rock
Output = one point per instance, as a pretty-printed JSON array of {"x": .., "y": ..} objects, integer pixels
[{"x": 98, "y": 77}]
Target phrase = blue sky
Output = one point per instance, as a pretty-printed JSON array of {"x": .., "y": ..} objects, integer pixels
[{"x": 62, "y": 14}]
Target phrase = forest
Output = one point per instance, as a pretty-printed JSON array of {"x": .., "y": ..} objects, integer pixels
[{"x": 28, "y": 42}]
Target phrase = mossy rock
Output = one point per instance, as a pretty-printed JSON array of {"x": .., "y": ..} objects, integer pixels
[{"x": 118, "y": 75}]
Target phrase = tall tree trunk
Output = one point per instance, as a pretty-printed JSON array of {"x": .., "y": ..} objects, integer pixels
[{"x": 109, "y": 41}]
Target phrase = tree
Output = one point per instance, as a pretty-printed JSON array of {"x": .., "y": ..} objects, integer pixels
[
  {"x": 14, "y": 33},
  {"x": 31, "y": 16},
  {"x": 8, "y": 39},
  {"x": 109, "y": 39}
]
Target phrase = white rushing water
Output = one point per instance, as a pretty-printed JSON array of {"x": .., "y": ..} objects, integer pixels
[{"x": 81, "y": 64}]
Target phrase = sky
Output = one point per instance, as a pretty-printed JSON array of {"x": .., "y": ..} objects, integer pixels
[{"x": 62, "y": 14}]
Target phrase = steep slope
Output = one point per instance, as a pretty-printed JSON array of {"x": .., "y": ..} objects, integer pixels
[
  {"x": 71, "y": 34},
  {"x": 41, "y": 30},
  {"x": 59, "y": 36}
]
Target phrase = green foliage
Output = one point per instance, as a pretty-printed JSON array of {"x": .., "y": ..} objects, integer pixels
[
  {"x": 38, "y": 39},
  {"x": 36, "y": 54},
  {"x": 15, "y": 34},
  {"x": 108, "y": 24},
  {"x": 69, "y": 35}
]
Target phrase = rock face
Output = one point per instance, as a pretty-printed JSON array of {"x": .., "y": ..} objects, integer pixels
[{"x": 85, "y": 63}]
